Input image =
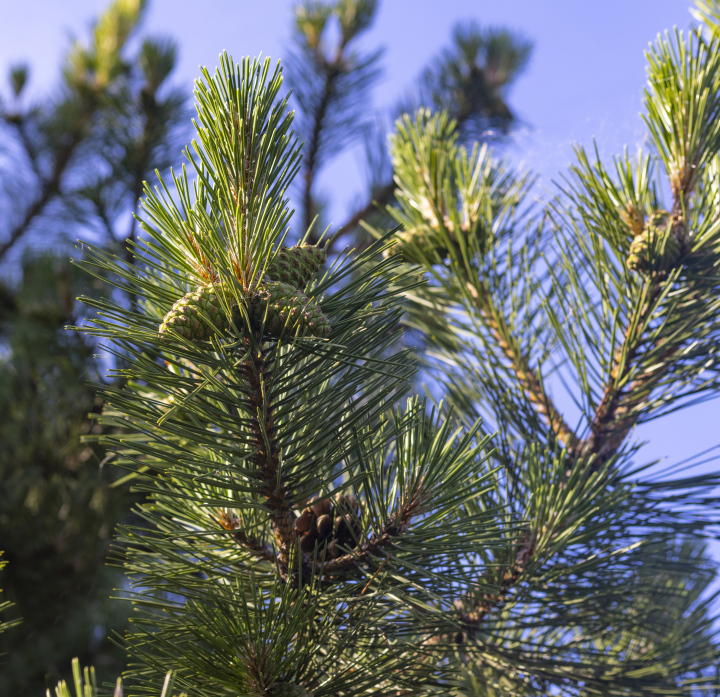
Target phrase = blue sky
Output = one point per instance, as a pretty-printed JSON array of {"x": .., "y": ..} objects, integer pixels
[{"x": 585, "y": 81}]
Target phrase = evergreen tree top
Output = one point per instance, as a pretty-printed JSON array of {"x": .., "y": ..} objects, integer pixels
[{"x": 308, "y": 530}]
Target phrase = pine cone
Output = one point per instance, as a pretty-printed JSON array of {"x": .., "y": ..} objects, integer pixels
[
  {"x": 289, "y": 689},
  {"x": 285, "y": 309},
  {"x": 315, "y": 525},
  {"x": 347, "y": 525},
  {"x": 324, "y": 526},
  {"x": 655, "y": 249},
  {"x": 337, "y": 524},
  {"x": 197, "y": 316},
  {"x": 321, "y": 507},
  {"x": 304, "y": 521},
  {"x": 296, "y": 265}
]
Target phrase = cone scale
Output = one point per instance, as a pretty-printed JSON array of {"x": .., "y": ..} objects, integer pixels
[
  {"x": 197, "y": 315},
  {"x": 296, "y": 266},
  {"x": 656, "y": 248},
  {"x": 283, "y": 309}
]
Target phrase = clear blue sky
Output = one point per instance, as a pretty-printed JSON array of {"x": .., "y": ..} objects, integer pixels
[{"x": 585, "y": 82}]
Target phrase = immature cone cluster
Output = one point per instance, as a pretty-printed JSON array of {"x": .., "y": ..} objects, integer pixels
[
  {"x": 281, "y": 304},
  {"x": 336, "y": 523},
  {"x": 296, "y": 265},
  {"x": 289, "y": 689},
  {"x": 197, "y": 315},
  {"x": 657, "y": 247},
  {"x": 287, "y": 310}
]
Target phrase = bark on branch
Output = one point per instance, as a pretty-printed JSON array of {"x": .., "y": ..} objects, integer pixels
[{"x": 267, "y": 453}]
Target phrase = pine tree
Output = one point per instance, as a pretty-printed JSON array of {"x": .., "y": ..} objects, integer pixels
[
  {"x": 309, "y": 530},
  {"x": 292, "y": 502},
  {"x": 112, "y": 113}
]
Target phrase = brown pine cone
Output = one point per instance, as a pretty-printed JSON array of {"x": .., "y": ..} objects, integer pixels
[
  {"x": 304, "y": 521},
  {"x": 308, "y": 540},
  {"x": 324, "y": 526},
  {"x": 321, "y": 507}
]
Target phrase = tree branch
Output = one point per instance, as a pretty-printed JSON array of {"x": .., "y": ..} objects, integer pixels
[
  {"x": 527, "y": 376},
  {"x": 613, "y": 420},
  {"x": 142, "y": 154},
  {"x": 385, "y": 193},
  {"x": 267, "y": 453},
  {"x": 48, "y": 187},
  {"x": 364, "y": 553},
  {"x": 331, "y": 74},
  {"x": 257, "y": 547}
]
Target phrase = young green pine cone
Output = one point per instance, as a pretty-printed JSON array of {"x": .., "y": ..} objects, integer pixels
[
  {"x": 289, "y": 689},
  {"x": 655, "y": 248},
  {"x": 286, "y": 310},
  {"x": 197, "y": 315},
  {"x": 296, "y": 265}
]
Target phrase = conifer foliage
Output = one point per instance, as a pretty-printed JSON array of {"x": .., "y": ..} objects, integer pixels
[
  {"x": 306, "y": 535},
  {"x": 302, "y": 529},
  {"x": 609, "y": 291}
]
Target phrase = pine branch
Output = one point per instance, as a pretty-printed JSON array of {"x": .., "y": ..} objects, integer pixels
[
  {"x": 257, "y": 547},
  {"x": 48, "y": 188},
  {"x": 431, "y": 173},
  {"x": 310, "y": 160},
  {"x": 526, "y": 375},
  {"x": 613, "y": 420},
  {"x": 89, "y": 76},
  {"x": 267, "y": 452},
  {"x": 468, "y": 82},
  {"x": 331, "y": 85},
  {"x": 369, "y": 549},
  {"x": 523, "y": 555}
]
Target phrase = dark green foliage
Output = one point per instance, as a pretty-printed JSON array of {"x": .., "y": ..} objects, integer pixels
[
  {"x": 53, "y": 142},
  {"x": 469, "y": 79},
  {"x": 78, "y": 157},
  {"x": 57, "y": 512},
  {"x": 82, "y": 154}
]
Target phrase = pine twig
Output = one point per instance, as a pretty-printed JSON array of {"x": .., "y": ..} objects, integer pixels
[
  {"x": 267, "y": 454},
  {"x": 527, "y": 376},
  {"x": 48, "y": 189},
  {"x": 252, "y": 544},
  {"x": 332, "y": 72}
]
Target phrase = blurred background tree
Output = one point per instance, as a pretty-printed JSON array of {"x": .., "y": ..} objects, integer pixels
[
  {"x": 75, "y": 159},
  {"x": 332, "y": 80}
]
